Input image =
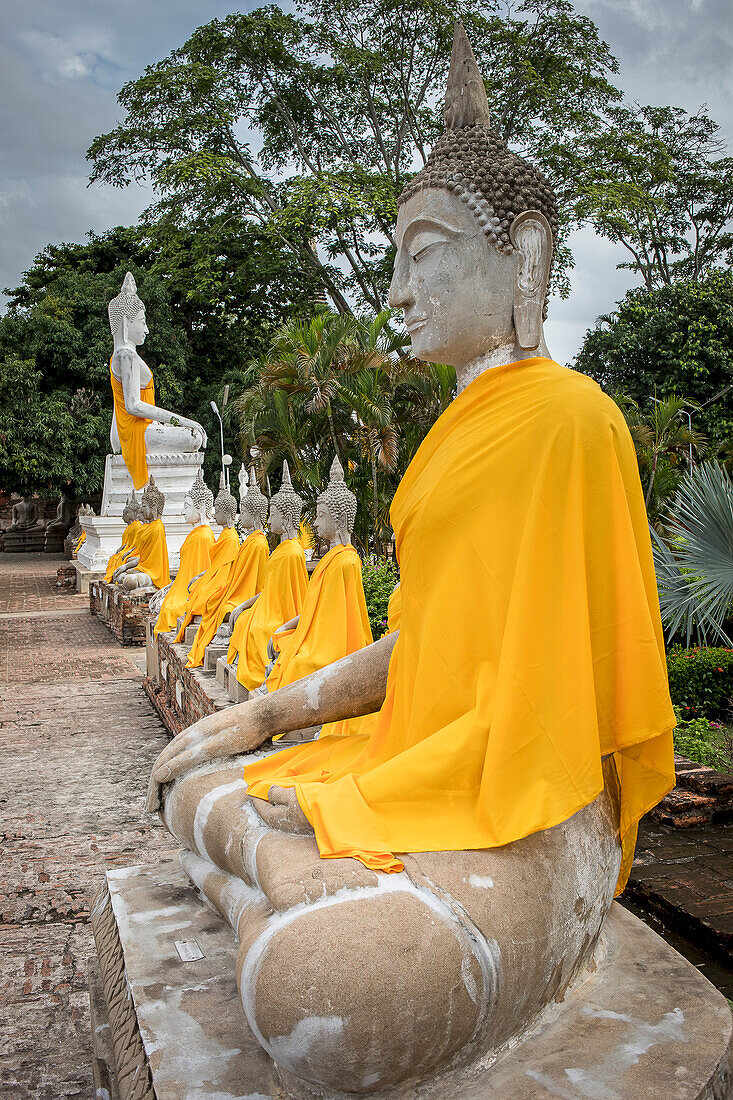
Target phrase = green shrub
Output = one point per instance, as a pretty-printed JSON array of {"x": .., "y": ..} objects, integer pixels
[
  {"x": 703, "y": 741},
  {"x": 379, "y": 578},
  {"x": 701, "y": 682}
]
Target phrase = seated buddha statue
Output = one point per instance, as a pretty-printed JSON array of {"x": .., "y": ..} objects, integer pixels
[
  {"x": 24, "y": 516},
  {"x": 255, "y": 620},
  {"x": 139, "y": 426},
  {"x": 246, "y": 576},
  {"x": 147, "y": 566},
  {"x": 413, "y": 902},
  {"x": 333, "y": 620},
  {"x": 131, "y": 515},
  {"x": 195, "y": 556},
  {"x": 212, "y": 582},
  {"x": 59, "y": 527}
]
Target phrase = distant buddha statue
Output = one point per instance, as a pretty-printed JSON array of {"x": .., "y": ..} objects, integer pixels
[
  {"x": 195, "y": 555},
  {"x": 139, "y": 426},
  {"x": 131, "y": 516},
  {"x": 255, "y": 620},
  {"x": 333, "y": 621},
  {"x": 147, "y": 566},
  {"x": 24, "y": 515},
  {"x": 246, "y": 576},
  {"x": 59, "y": 527},
  {"x": 212, "y": 582},
  {"x": 411, "y": 901}
]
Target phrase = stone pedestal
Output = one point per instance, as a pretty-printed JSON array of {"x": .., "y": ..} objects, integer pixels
[
  {"x": 644, "y": 1023},
  {"x": 174, "y": 476},
  {"x": 124, "y": 613},
  {"x": 180, "y": 695},
  {"x": 26, "y": 540}
]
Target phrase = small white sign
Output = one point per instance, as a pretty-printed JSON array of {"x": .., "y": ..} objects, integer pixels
[{"x": 188, "y": 950}]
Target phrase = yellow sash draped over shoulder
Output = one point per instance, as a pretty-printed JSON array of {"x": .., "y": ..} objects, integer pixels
[
  {"x": 215, "y": 579},
  {"x": 333, "y": 621},
  {"x": 152, "y": 549},
  {"x": 530, "y": 641},
  {"x": 195, "y": 558},
  {"x": 245, "y": 580},
  {"x": 129, "y": 540},
  {"x": 286, "y": 581},
  {"x": 131, "y": 430}
]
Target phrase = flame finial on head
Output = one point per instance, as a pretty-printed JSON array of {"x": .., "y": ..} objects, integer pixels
[{"x": 465, "y": 94}]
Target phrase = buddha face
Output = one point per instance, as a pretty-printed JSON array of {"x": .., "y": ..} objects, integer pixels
[
  {"x": 127, "y": 515},
  {"x": 150, "y": 512},
  {"x": 277, "y": 525},
  {"x": 136, "y": 330},
  {"x": 325, "y": 524},
  {"x": 455, "y": 289},
  {"x": 222, "y": 516},
  {"x": 191, "y": 513}
]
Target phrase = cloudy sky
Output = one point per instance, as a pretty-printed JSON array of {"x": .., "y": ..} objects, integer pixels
[{"x": 63, "y": 61}]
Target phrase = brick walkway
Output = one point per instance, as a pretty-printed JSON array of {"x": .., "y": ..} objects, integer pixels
[{"x": 77, "y": 738}]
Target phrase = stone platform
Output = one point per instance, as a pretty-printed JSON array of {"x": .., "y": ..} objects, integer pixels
[
  {"x": 644, "y": 1024},
  {"x": 124, "y": 613}
]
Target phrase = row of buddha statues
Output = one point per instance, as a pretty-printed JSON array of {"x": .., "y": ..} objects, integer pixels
[
  {"x": 417, "y": 888},
  {"x": 260, "y": 607},
  {"x": 28, "y": 532}
]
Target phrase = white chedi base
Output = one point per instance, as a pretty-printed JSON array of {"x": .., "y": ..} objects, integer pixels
[{"x": 174, "y": 475}]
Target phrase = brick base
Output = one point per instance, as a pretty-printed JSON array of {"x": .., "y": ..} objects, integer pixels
[
  {"x": 181, "y": 695},
  {"x": 66, "y": 577},
  {"x": 124, "y": 613}
]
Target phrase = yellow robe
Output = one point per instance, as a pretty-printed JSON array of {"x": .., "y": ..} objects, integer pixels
[
  {"x": 152, "y": 549},
  {"x": 530, "y": 642},
  {"x": 131, "y": 430},
  {"x": 195, "y": 558},
  {"x": 80, "y": 542},
  {"x": 129, "y": 541},
  {"x": 214, "y": 580},
  {"x": 286, "y": 581},
  {"x": 333, "y": 622},
  {"x": 246, "y": 579}
]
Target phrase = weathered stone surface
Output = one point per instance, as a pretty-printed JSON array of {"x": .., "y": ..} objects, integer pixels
[
  {"x": 643, "y": 1024},
  {"x": 701, "y": 796}
]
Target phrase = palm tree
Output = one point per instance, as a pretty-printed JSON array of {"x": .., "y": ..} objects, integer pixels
[
  {"x": 662, "y": 441},
  {"x": 694, "y": 562}
]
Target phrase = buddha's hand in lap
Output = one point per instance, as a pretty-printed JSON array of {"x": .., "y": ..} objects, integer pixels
[
  {"x": 283, "y": 811},
  {"x": 215, "y": 737}
]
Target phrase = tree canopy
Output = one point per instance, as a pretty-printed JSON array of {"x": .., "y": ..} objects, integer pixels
[
  {"x": 308, "y": 123},
  {"x": 677, "y": 339}
]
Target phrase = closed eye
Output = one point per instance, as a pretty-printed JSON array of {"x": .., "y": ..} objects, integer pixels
[{"x": 422, "y": 252}]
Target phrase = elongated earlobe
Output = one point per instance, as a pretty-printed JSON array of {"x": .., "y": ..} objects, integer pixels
[{"x": 531, "y": 235}]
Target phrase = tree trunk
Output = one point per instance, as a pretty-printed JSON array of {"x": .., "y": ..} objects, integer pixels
[
  {"x": 651, "y": 480},
  {"x": 333, "y": 430},
  {"x": 375, "y": 508}
]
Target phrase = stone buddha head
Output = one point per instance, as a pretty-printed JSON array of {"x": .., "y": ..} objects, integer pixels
[
  {"x": 198, "y": 503},
  {"x": 225, "y": 506},
  {"x": 475, "y": 235},
  {"x": 127, "y": 315},
  {"x": 286, "y": 508},
  {"x": 336, "y": 508},
  {"x": 153, "y": 502},
  {"x": 131, "y": 511},
  {"x": 253, "y": 505}
]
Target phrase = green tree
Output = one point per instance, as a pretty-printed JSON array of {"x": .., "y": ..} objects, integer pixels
[
  {"x": 676, "y": 339},
  {"x": 309, "y": 123},
  {"x": 655, "y": 180}
]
